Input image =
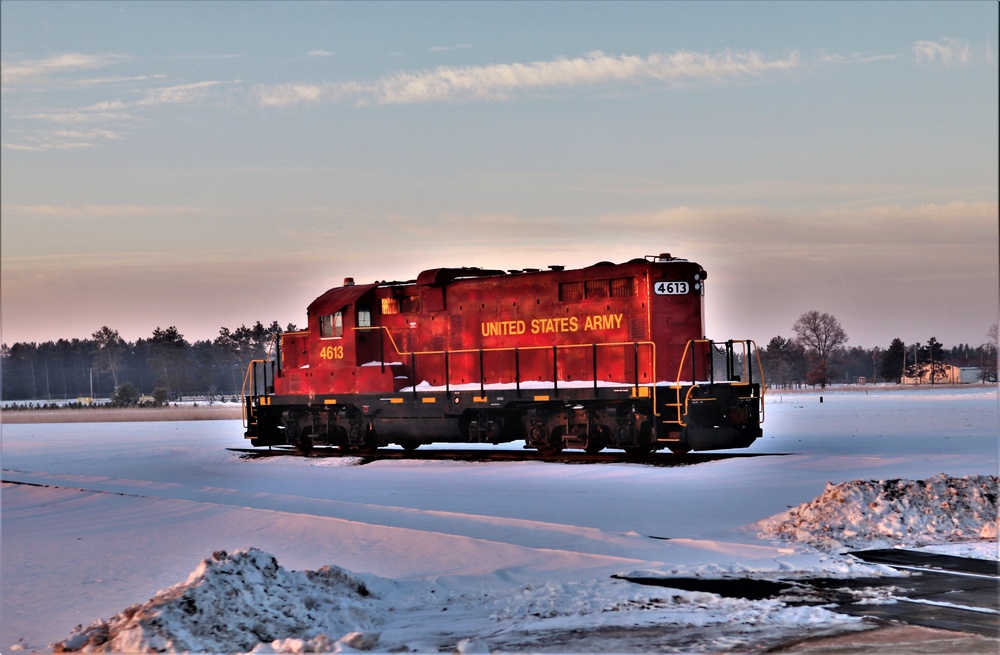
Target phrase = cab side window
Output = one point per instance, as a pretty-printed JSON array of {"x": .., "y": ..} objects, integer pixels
[{"x": 331, "y": 325}]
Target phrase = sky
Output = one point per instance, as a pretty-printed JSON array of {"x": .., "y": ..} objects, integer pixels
[{"x": 207, "y": 165}]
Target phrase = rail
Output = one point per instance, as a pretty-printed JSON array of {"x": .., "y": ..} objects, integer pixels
[
  {"x": 732, "y": 380},
  {"x": 649, "y": 360},
  {"x": 250, "y": 386},
  {"x": 680, "y": 406},
  {"x": 248, "y": 412}
]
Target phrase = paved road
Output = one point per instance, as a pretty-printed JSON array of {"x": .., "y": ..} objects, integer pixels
[
  {"x": 950, "y": 593},
  {"x": 957, "y": 595}
]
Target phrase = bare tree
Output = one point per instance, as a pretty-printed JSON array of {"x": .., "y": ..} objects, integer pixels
[{"x": 821, "y": 334}]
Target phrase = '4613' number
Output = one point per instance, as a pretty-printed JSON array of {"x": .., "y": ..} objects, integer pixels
[
  {"x": 670, "y": 288},
  {"x": 331, "y": 352}
]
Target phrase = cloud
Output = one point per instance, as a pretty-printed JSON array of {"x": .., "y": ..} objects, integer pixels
[
  {"x": 948, "y": 51},
  {"x": 498, "y": 82},
  {"x": 71, "y": 71},
  {"x": 175, "y": 95},
  {"x": 110, "y": 117},
  {"x": 904, "y": 236},
  {"x": 38, "y": 70},
  {"x": 99, "y": 81},
  {"x": 107, "y": 211},
  {"x": 449, "y": 48},
  {"x": 100, "y": 112},
  {"x": 220, "y": 56},
  {"x": 63, "y": 139},
  {"x": 320, "y": 53},
  {"x": 854, "y": 58},
  {"x": 106, "y": 106},
  {"x": 287, "y": 94}
]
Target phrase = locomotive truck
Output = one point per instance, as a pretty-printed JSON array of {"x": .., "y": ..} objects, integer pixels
[{"x": 607, "y": 356}]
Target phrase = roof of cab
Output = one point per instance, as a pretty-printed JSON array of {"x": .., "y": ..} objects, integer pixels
[{"x": 337, "y": 298}]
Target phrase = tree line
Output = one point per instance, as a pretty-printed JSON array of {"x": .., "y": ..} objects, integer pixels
[
  {"x": 818, "y": 355},
  {"x": 159, "y": 369},
  {"x": 167, "y": 367}
]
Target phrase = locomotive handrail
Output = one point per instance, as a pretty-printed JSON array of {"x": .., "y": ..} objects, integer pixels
[
  {"x": 270, "y": 345},
  {"x": 682, "y": 406},
  {"x": 518, "y": 349},
  {"x": 687, "y": 398},
  {"x": 763, "y": 383},
  {"x": 247, "y": 377},
  {"x": 749, "y": 346}
]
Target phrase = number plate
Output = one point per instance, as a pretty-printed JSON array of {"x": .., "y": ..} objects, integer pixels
[{"x": 671, "y": 288}]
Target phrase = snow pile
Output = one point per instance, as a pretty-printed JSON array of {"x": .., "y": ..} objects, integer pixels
[
  {"x": 236, "y": 602},
  {"x": 246, "y": 603},
  {"x": 888, "y": 513}
]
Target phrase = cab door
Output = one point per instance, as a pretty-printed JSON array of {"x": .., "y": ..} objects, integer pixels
[{"x": 332, "y": 354}]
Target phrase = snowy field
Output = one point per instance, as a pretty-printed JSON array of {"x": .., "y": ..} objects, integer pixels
[{"x": 474, "y": 557}]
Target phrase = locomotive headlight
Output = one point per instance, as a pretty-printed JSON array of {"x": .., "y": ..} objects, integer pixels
[
  {"x": 696, "y": 277},
  {"x": 697, "y": 286}
]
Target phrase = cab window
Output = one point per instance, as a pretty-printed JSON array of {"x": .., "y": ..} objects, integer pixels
[{"x": 331, "y": 325}]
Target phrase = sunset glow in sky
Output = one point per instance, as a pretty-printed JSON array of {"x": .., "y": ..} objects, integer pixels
[{"x": 209, "y": 164}]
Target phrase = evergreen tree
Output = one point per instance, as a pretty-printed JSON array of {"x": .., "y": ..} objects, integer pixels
[
  {"x": 169, "y": 358},
  {"x": 929, "y": 365},
  {"x": 892, "y": 361}
]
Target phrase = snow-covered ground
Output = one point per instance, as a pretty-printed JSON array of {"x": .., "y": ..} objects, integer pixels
[{"x": 293, "y": 554}]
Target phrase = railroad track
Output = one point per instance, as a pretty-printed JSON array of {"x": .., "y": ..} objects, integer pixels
[{"x": 470, "y": 455}]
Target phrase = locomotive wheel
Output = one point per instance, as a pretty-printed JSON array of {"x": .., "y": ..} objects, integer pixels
[
  {"x": 550, "y": 450},
  {"x": 645, "y": 443},
  {"x": 410, "y": 446},
  {"x": 304, "y": 444},
  {"x": 595, "y": 444},
  {"x": 554, "y": 445},
  {"x": 341, "y": 441}
]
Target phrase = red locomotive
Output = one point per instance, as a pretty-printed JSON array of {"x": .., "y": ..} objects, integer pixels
[{"x": 604, "y": 356}]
